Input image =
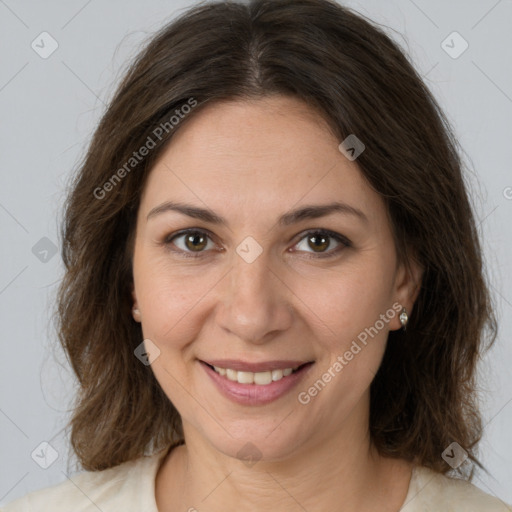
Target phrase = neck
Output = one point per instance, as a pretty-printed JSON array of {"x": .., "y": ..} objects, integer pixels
[{"x": 325, "y": 475}]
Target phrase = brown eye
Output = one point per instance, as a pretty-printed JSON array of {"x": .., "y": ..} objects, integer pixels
[
  {"x": 189, "y": 243},
  {"x": 195, "y": 241},
  {"x": 319, "y": 241}
]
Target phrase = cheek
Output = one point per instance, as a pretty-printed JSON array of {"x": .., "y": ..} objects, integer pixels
[
  {"x": 343, "y": 303},
  {"x": 165, "y": 309},
  {"x": 172, "y": 316},
  {"x": 171, "y": 301},
  {"x": 352, "y": 336},
  {"x": 352, "y": 359}
]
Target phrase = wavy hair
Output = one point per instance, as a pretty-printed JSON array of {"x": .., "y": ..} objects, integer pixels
[{"x": 424, "y": 395}]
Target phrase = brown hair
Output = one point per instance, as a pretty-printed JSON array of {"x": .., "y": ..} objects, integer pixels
[{"x": 423, "y": 396}]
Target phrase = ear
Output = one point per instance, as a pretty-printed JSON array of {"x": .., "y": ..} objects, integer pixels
[
  {"x": 408, "y": 279},
  {"x": 135, "y": 307}
]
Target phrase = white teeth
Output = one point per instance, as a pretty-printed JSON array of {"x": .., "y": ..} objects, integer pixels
[
  {"x": 222, "y": 371},
  {"x": 259, "y": 378},
  {"x": 245, "y": 377},
  {"x": 277, "y": 374},
  {"x": 231, "y": 374}
]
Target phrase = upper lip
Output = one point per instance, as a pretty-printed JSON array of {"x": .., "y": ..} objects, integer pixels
[{"x": 243, "y": 366}]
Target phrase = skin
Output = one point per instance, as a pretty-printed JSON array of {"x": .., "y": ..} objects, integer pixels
[{"x": 250, "y": 162}]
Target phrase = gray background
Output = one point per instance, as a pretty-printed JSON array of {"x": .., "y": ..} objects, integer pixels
[{"x": 49, "y": 108}]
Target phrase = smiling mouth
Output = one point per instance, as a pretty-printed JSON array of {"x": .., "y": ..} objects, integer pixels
[{"x": 262, "y": 378}]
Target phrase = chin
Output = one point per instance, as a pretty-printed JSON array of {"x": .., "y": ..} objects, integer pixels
[{"x": 252, "y": 441}]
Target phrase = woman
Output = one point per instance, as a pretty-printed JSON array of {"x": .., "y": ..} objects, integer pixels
[{"x": 274, "y": 295}]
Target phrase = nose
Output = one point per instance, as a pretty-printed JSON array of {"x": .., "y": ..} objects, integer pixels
[{"x": 256, "y": 303}]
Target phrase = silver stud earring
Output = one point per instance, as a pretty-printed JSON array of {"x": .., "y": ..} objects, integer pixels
[
  {"x": 135, "y": 311},
  {"x": 404, "y": 318}
]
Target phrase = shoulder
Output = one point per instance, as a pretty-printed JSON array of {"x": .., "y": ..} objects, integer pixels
[
  {"x": 430, "y": 491},
  {"x": 127, "y": 486}
]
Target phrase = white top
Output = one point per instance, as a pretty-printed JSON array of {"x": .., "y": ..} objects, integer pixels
[{"x": 131, "y": 487}]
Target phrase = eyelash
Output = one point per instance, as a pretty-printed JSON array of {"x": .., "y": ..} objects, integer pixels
[{"x": 345, "y": 242}]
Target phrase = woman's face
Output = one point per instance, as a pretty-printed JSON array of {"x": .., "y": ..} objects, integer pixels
[{"x": 264, "y": 279}]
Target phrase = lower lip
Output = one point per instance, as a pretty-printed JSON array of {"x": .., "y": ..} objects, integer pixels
[{"x": 254, "y": 394}]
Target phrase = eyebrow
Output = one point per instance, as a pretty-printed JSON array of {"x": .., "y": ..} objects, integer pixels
[{"x": 292, "y": 217}]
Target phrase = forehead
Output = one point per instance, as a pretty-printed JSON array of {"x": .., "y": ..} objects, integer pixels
[{"x": 259, "y": 155}]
